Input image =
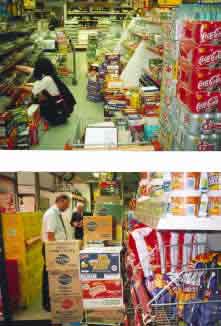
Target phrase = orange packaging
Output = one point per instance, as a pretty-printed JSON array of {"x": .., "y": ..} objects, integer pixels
[
  {"x": 214, "y": 203},
  {"x": 214, "y": 181},
  {"x": 182, "y": 205},
  {"x": 98, "y": 228},
  {"x": 185, "y": 181}
]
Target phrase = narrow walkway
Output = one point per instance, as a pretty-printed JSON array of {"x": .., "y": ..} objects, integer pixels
[{"x": 85, "y": 112}]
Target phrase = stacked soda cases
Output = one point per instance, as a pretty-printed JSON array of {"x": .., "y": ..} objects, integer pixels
[
  {"x": 22, "y": 242},
  {"x": 62, "y": 262},
  {"x": 190, "y": 100},
  {"x": 198, "y": 88}
]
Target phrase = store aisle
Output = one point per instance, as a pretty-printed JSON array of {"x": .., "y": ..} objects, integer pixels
[{"x": 85, "y": 112}]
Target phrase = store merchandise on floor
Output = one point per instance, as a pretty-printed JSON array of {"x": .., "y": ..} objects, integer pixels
[
  {"x": 150, "y": 82},
  {"x": 150, "y": 255}
]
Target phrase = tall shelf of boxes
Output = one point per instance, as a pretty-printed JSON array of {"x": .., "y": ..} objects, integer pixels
[
  {"x": 176, "y": 226},
  {"x": 22, "y": 240}
]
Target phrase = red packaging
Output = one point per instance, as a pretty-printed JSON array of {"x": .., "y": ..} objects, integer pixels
[
  {"x": 199, "y": 102},
  {"x": 203, "y": 32},
  {"x": 199, "y": 79},
  {"x": 102, "y": 289},
  {"x": 203, "y": 56}
]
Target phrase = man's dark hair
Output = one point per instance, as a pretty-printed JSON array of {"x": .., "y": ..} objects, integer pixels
[{"x": 62, "y": 197}]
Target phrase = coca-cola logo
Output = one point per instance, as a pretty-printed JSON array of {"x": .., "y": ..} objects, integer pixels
[
  {"x": 214, "y": 35},
  {"x": 214, "y": 57},
  {"x": 210, "y": 83},
  {"x": 208, "y": 106}
]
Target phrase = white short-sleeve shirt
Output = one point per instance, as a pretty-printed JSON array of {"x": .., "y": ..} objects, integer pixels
[
  {"x": 52, "y": 223},
  {"x": 48, "y": 84}
]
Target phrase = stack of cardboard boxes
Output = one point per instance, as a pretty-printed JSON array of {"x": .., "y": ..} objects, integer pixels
[
  {"x": 62, "y": 259},
  {"x": 100, "y": 272}
]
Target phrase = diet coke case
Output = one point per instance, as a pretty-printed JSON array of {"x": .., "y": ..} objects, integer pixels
[
  {"x": 202, "y": 32},
  {"x": 201, "y": 56},
  {"x": 199, "y": 101},
  {"x": 199, "y": 79}
]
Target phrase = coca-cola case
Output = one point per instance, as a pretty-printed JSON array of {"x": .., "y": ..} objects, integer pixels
[
  {"x": 202, "y": 32},
  {"x": 199, "y": 101},
  {"x": 196, "y": 79},
  {"x": 202, "y": 56}
]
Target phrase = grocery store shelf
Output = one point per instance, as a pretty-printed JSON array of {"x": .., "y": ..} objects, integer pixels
[
  {"x": 98, "y": 13},
  {"x": 190, "y": 223},
  {"x": 11, "y": 65},
  {"x": 14, "y": 48}
]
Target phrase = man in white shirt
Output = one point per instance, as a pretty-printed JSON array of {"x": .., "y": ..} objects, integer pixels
[{"x": 53, "y": 229}]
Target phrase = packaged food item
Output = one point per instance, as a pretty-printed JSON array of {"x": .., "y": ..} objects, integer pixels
[
  {"x": 185, "y": 204},
  {"x": 67, "y": 309},
  {"x": 199, "y": 101},
  {"x": 185, "y": 181},
  {"x": 98, "y": 228},
  {"x": 202, "y": 56},
  {"x": 203, "y": 32},
  {"x": 214, "y": 203},
  {"x": 62, "y": 255},
  {"x": 64, "y": 283},
  {"x": 103, "y": 293},
  {"x": 196, "y": 79},
  {"x": 100, "y": 263},
  {"x": 214, "y": 180},
  {"x": 105, "y": 316}
]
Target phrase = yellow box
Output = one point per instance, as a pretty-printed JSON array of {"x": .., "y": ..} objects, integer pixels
[{"x": 98, "y": 228}]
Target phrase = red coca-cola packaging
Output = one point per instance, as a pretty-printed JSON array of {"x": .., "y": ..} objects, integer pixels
[
  {"x": 202, "y": 56},
  {"x": 197, "y": 79},
  {"x": 203, "y": 32},
  {"x": 199, "y": 102}
]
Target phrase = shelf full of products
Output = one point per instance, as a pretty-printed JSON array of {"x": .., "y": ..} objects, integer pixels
[
  {"x": 17, "y": 117},
  {"x": 168, "y": 266}
]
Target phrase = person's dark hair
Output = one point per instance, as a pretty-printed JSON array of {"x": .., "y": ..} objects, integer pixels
[
  {"x": 62, "y": 197},
  {"x": 44, "y": 66}
]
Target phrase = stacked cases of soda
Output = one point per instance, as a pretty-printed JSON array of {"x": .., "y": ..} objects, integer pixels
[{"x": 199, "y": 85}]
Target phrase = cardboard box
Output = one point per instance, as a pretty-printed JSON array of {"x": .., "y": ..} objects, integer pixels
[
  {"x": 64, "y": 284},
  {"x": 67, "y": 309},
  {"x": 100, "y": 294},
  {"x": 97, "y": 228},
  {"x": 100, "y": 263},
  {"x": 105, "y": 316},
  {"x": 62, "y": 255}
]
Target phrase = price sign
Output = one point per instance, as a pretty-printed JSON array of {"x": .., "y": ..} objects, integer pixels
[{"x": 29, "y": 4}]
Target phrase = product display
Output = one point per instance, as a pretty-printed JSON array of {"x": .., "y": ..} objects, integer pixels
[{"x": 148, "y": 252}]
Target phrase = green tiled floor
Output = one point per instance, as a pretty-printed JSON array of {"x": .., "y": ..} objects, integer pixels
[{"x": 85, "y": 111}]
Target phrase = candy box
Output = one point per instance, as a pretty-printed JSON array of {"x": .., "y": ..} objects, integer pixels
[
  {"x": 62, "y": 255},
  {"x": 199, "y": 101},
  {"x": 66, "y": 309},
  {"x": 202, "y": 32},
  {"x": 202, "y": 56},
  {"x": 64, "y": 284},
  {"x": 199, "y": 79},
  {"x": 100, "y": 263},
  {"x": 104, "y": 293}
]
